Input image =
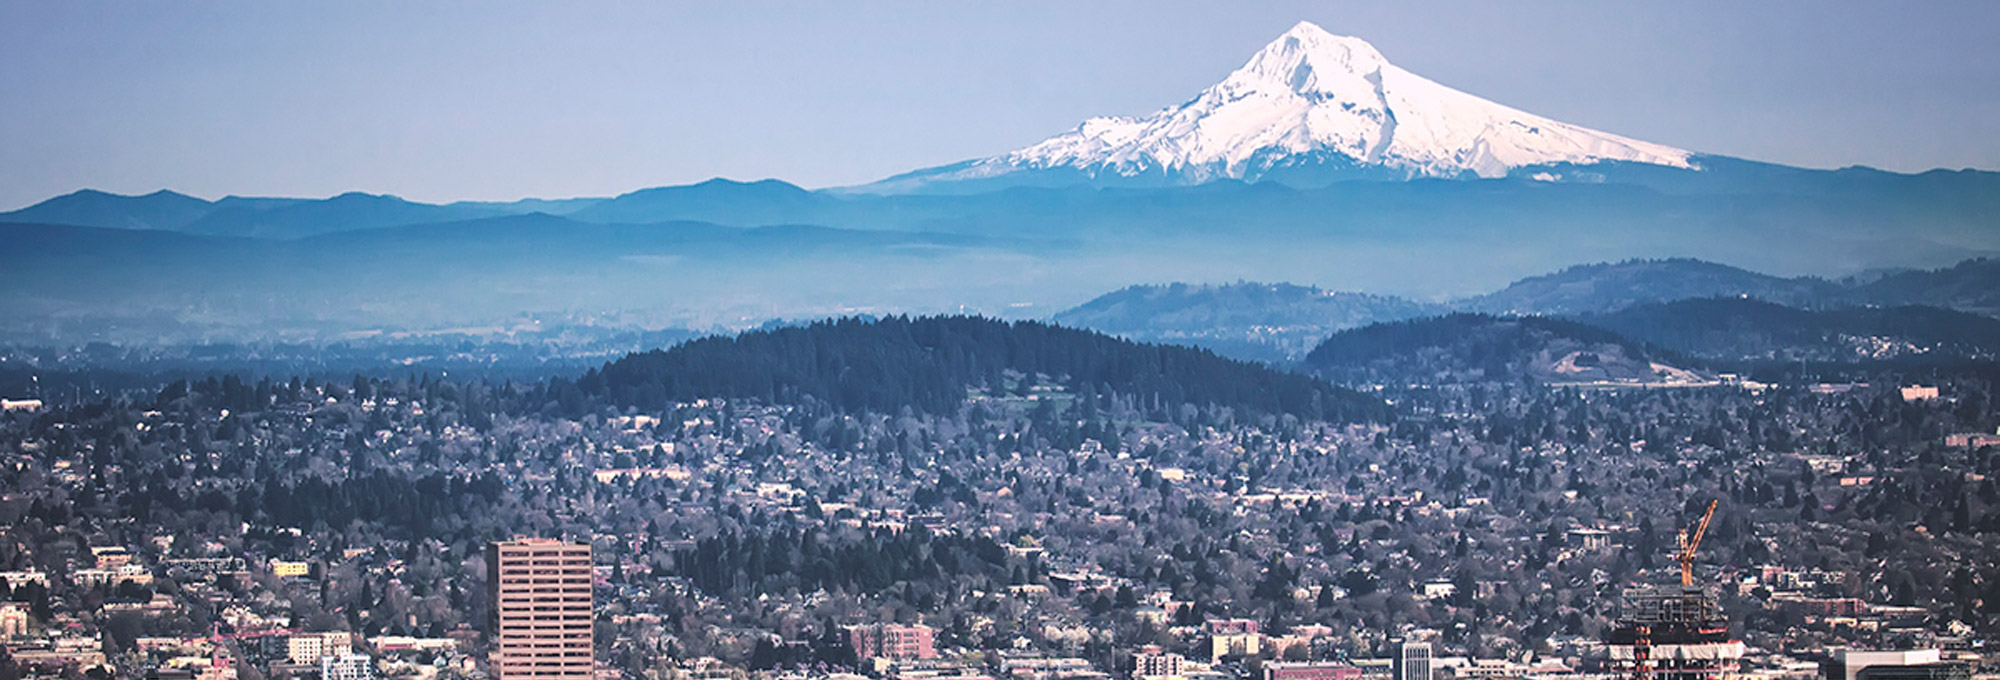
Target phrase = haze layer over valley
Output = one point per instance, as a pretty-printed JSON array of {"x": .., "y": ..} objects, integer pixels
[{"x": 1319, "y": 162}]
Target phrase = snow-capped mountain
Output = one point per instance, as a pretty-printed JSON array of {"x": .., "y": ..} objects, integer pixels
[{"x": 1310, "y": 105}]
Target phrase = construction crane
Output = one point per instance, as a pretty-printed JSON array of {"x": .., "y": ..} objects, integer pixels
[
  {"x": 1686, "y": 621},
  {"x": 1689, "y": 544}
]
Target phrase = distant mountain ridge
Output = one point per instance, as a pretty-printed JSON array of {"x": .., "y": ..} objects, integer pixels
[
  {"x": 1281, "y": 322},
  {"x": 161, "y": 209},
  {"x": 346, "y": 212},
  {"x": 1971, "y": 286},
  {"x": 1872, "y": 220},
  {"x": 265, "y": 217},
  {"x": 718, "y": 200}
]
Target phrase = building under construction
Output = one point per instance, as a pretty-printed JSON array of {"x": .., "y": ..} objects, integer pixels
[{"x": 1675, "y": 632}]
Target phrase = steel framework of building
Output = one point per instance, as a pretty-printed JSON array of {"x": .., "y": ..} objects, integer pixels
[{"x": 1673, "y": 633}]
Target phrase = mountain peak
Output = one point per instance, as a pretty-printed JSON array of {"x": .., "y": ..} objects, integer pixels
[
  {"x": 1309, "y": 59},
  {"x": 1308, "y": 108},
  {"x": 1309, "y": 34}
]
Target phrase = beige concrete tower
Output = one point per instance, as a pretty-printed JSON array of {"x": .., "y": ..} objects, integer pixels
[{"x": 539, "y": 592}]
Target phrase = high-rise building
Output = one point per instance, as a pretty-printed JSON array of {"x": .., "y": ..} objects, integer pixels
[
  {"x": 540, "y": 595},
  {"x": 1673, "y": 633},
  {"x": 1413, "y": 661}
]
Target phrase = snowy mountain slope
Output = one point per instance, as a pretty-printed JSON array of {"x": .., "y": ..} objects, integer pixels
[{"x": 1308, "y": 103}]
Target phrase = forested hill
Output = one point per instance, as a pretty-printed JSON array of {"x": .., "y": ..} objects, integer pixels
[
  {"x": 1749, "y": 329},
  {"x": 1595, "y": 288},
  {"x": 1481, "y": 348},
  {"x": 931, "y": 364},
  {"x": 1969, "y": 286}
]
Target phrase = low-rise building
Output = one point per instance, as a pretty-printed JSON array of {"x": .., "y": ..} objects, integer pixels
[
  {"x": 128, "y": 573},
  {"x": 1237, "y": 645},
  {"x": 1972, "y": 439},
  {"x": 56, "y": 653},
  {"x": 21, "y": 577},
  {"x": 1284, "y": 670},
  {"x": 401, "y": 643},
  {"x": 346, "y": 666},
  {"x": 1038, "y": 667},
  {"x": 1916, "y": 664},
  {"x": 891, "y": 641},
  {"x": 13, "y": 619},
  {"x": 1231, "y": 626},
  {"x": 111, "y": 556},
  {"x": 207, "y": 567},
  {"x": 1153, "y": 662},
  {"x": 310, "y": 648},
  {"x": 1590, "y": 539}
]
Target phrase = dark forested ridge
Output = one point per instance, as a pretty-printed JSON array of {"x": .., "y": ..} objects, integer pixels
[
  {"x": 1467, "y": 347},
  {"x": 1732, "y": 334},
  {"x": 930, "y": 363},
  {"x": 1748, "y": 329},
  {"x": 1972, "y": 286}
]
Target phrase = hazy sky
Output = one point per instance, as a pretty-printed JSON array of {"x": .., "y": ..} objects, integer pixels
[{"x": 503, "y": 100}]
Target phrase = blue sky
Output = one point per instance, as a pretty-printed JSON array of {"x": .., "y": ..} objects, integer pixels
[{"x": 442, "y": 101}]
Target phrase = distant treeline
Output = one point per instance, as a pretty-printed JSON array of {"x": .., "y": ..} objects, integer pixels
[
  {"x": 1466, "y": 347},
  {"x": 1759, "y": 339},
  {"x": 1745, "y": 328},
  {"x": 1481, "y": 336}
]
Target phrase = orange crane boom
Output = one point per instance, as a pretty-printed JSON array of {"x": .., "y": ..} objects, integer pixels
[{"x": 1688, "y": 546}]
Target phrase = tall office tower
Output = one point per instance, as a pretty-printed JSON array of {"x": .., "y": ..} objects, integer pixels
[
  {"x": 539, "y": 593},
  {"x": 1413, "y": 661}
]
